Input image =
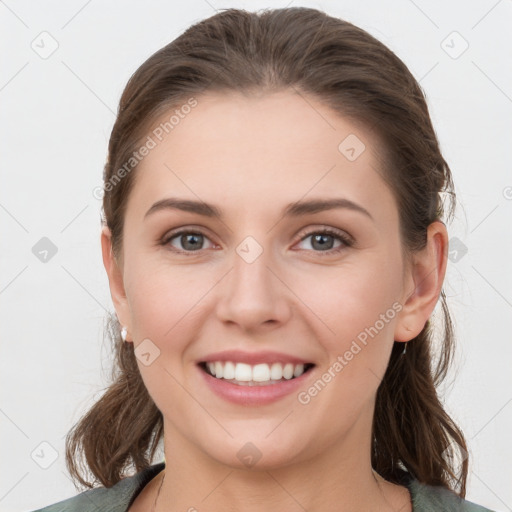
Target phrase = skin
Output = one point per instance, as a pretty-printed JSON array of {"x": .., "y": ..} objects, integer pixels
[{"x": 252, "y": 156}]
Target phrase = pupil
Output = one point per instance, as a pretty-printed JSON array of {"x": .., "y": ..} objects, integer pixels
[
  {"x": 318, "y": 238},
  {"x": 195, "y": 244}
]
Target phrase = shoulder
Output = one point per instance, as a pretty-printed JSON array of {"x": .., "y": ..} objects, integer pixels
[
  {"x": 107, "y": 499},
  {"x": 426, "y": 498}
]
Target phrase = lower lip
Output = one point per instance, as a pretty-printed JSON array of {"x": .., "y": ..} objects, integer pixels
[{"x": 253, "y": 395}]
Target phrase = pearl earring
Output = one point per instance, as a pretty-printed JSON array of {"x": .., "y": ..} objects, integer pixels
[{"x": 124, "y": 331}]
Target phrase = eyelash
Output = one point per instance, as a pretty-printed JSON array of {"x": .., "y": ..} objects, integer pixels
[{"x": 345, "y": 239}]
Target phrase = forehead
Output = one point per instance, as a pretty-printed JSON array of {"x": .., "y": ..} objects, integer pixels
[{"x": 256, "y": 151}]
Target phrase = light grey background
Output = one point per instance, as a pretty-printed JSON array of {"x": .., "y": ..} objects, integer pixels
[{"x": 56, "y": 117}]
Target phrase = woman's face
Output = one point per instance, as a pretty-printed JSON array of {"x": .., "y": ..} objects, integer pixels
[{"x": 261, "y": 280}]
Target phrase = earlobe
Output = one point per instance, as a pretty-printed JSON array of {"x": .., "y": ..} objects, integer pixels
[
  {"x": 426, "y": 273},
  {"x": 115, "y": 278}
]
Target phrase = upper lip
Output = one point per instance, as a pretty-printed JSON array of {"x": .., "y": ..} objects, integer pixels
[{"x": 252, "y": 358}]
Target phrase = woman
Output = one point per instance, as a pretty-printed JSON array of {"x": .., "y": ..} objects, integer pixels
[{"x": 275, "y": 248}]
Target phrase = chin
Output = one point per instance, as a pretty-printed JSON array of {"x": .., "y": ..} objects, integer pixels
[{"x": 258, "y": 454}]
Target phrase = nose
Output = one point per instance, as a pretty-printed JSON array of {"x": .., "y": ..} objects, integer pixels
[{"x": 253, "y": 294}]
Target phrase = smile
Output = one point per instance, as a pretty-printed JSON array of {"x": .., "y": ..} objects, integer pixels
[
  {"x": 254, "y": 375},
  {"x": 254, "y": 384}
]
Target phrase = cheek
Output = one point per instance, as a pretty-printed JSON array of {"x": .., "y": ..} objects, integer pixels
[
  {"x": 168, "y": 307},
  {"x": 165, "y": 304},
  {"x": 360, "y": 308},
  {"x": 164, "y": 297},
  {"x": 359, "y": 305},
  {"x": 354, "y": 297}
]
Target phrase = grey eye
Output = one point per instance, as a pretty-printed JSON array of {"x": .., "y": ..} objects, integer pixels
[{"x": 189, "y": 241}]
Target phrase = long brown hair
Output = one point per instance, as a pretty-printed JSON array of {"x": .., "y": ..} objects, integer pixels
[{"x": 357, "y": 76}]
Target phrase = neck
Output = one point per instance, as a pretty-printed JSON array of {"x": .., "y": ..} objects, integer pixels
[{"x": 340, "y": 479}]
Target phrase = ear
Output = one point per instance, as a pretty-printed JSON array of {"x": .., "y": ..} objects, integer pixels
[
  {"x": 115, "y": 278},
  {"x": 423, "y": 283}
]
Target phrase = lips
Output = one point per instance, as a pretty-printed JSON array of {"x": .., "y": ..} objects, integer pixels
[
  {"x": 258, "y": 377},
  {"x": 252, "y": 393}
]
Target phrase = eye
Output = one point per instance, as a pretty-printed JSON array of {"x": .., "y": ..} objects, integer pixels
[
  {"x": 323, "y": 240},
  {"x": 190, "y": 241}
]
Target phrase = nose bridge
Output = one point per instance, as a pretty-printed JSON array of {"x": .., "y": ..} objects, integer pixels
[
  {"x": 252, "y": 295},
  {"x": 251, "y": 261}
]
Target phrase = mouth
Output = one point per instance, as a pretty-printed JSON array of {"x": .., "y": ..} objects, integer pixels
[{"x": 263, "y": 374}]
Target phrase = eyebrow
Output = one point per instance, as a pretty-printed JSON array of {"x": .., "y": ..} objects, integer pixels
[{"x": 292, "y": 210}]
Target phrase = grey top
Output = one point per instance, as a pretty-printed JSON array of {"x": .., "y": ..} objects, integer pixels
[{"x": 120, "y": 496}]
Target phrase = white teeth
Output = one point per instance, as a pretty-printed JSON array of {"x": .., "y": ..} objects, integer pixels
[
  {"x": 298, "y": 370},
  {"x": 242, "y": 372},
  {"x": 261, "y": 373},
  {"x": 229, "y": 370},
  {"x": 276, "y": 371},
  {"x": 288, "y": 371}
]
